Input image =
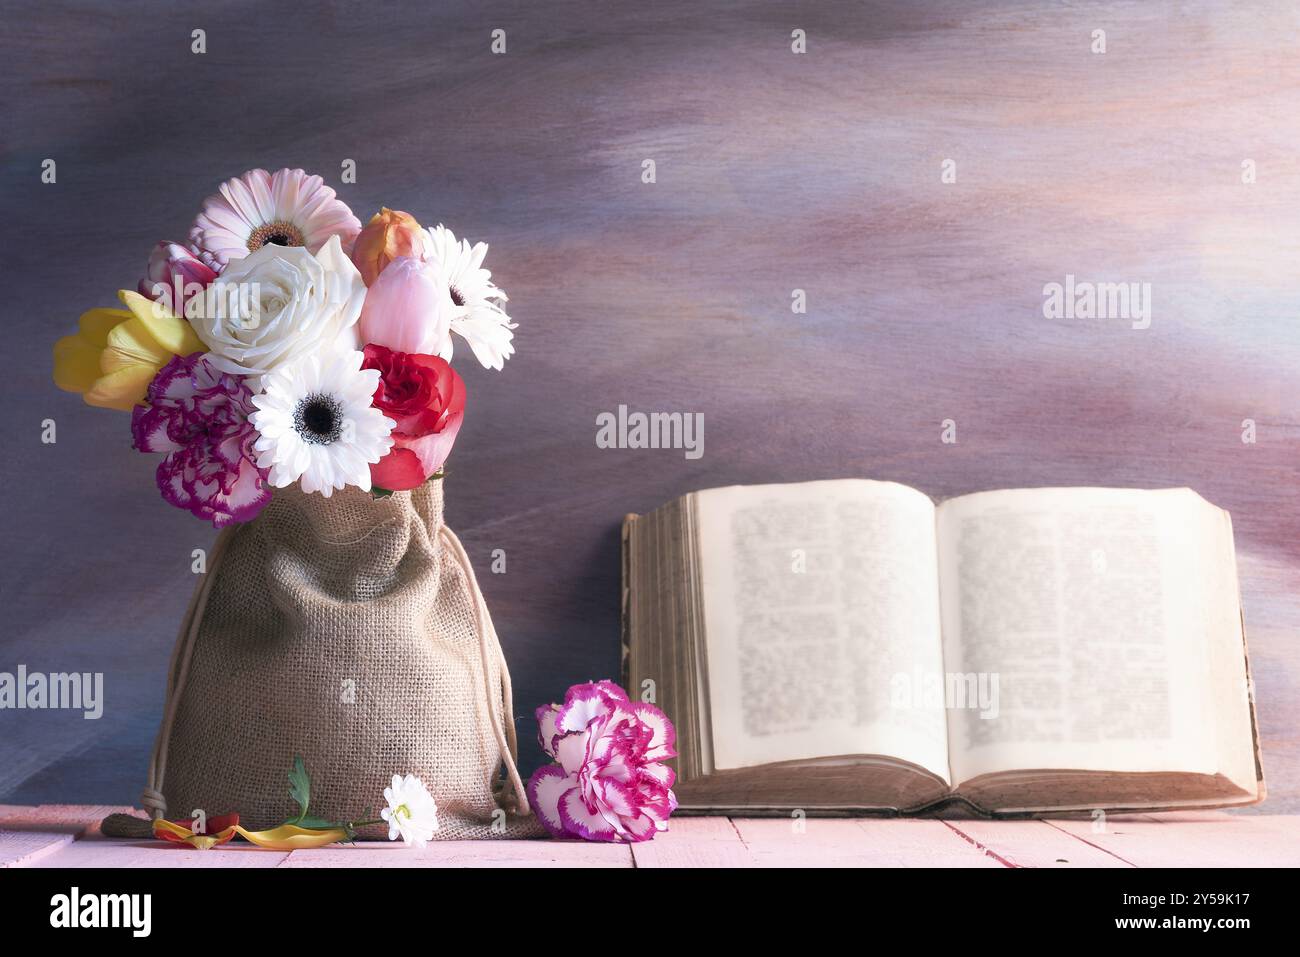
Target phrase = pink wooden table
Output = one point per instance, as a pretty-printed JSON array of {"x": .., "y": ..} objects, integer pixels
[{"x": 68, "y": 836}]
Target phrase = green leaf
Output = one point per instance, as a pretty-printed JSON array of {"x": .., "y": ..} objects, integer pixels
[
  {"x": 300, "y": 787},
  {"x": 317, "y": 823}
]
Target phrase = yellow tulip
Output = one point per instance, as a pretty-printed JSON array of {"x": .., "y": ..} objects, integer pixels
[
  {"x": 116, "y": 353},
  {"x": 291, "y": 837},
  {"x": 286, "y": 837}
]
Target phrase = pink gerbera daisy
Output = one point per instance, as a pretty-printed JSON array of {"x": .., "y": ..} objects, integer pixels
[{"x": 288, "y": 208}]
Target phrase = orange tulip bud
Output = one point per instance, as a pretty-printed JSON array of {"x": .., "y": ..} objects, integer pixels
[{"x": 390, "y": 234}]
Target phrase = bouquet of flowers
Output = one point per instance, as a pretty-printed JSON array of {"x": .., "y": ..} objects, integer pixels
[
  {"x": 285, "y": 343},
  {"x": 286, "y": 347}
]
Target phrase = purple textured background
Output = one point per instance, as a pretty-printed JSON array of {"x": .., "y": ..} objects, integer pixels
[{"x": 775, "y": 172}]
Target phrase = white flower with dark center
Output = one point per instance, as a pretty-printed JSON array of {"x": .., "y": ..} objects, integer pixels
[
  {"x": 316, "y": 425},
  {"x": 412, "y": 813},
  {"x": 478, "y": 316}
]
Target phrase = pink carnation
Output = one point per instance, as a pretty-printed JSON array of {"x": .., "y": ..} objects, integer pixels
[
  {"x": 607, "y": 783},
  {"x": 198, "y": 415}
]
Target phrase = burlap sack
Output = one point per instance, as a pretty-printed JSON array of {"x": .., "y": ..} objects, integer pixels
[{"x": 351, "y": 631}]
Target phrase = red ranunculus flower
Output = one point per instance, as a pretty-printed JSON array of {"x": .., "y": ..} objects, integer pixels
[{"x": 426, "y": 398}]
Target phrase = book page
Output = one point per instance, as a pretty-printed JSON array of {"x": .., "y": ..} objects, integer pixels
[
  {"x": 1101, "y": 613},
  {"x": 821, "y": 606}
]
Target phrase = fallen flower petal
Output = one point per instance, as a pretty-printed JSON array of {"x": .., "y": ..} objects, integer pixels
[
  {"x": 219, "y": 831},
  {"x": 291, "y": 837}
]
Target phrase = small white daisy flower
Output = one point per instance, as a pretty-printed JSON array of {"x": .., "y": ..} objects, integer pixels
[
  {"x": 316, "y": 425},
  {"x": 478, "y": 316},
  {"x": 412, "y": 813}
]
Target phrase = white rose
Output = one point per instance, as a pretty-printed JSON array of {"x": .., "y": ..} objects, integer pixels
[{"x": 294, "y": 304}]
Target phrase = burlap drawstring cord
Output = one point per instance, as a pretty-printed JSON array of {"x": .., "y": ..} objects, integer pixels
[
  {"x": 151, "y": 799},
  {"x": 506, "y": 740},
  {"x": 500, "y": 712}
]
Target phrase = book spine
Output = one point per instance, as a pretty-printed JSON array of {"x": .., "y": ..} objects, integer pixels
[{"x": 625, "y": 605}]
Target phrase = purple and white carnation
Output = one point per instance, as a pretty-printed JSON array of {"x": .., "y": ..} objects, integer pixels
[
  {"x": 607, "y": 783},
  {"x": 198, "y": 416}
]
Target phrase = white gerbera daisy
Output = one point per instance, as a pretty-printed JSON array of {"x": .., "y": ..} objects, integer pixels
[
  {"x": 478, "y": 317},
  {"x": 315, "y": 423}
]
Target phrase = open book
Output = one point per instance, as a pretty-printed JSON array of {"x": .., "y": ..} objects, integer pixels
[{"x": 850, "y": 645}]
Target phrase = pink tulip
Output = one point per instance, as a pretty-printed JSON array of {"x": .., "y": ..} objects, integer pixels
[
  {"x": 175, "y": 275},
  {"x": 408, "y": 309}
]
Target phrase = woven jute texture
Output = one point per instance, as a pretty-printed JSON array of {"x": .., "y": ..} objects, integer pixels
[{"x": 344, "y": 630}]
